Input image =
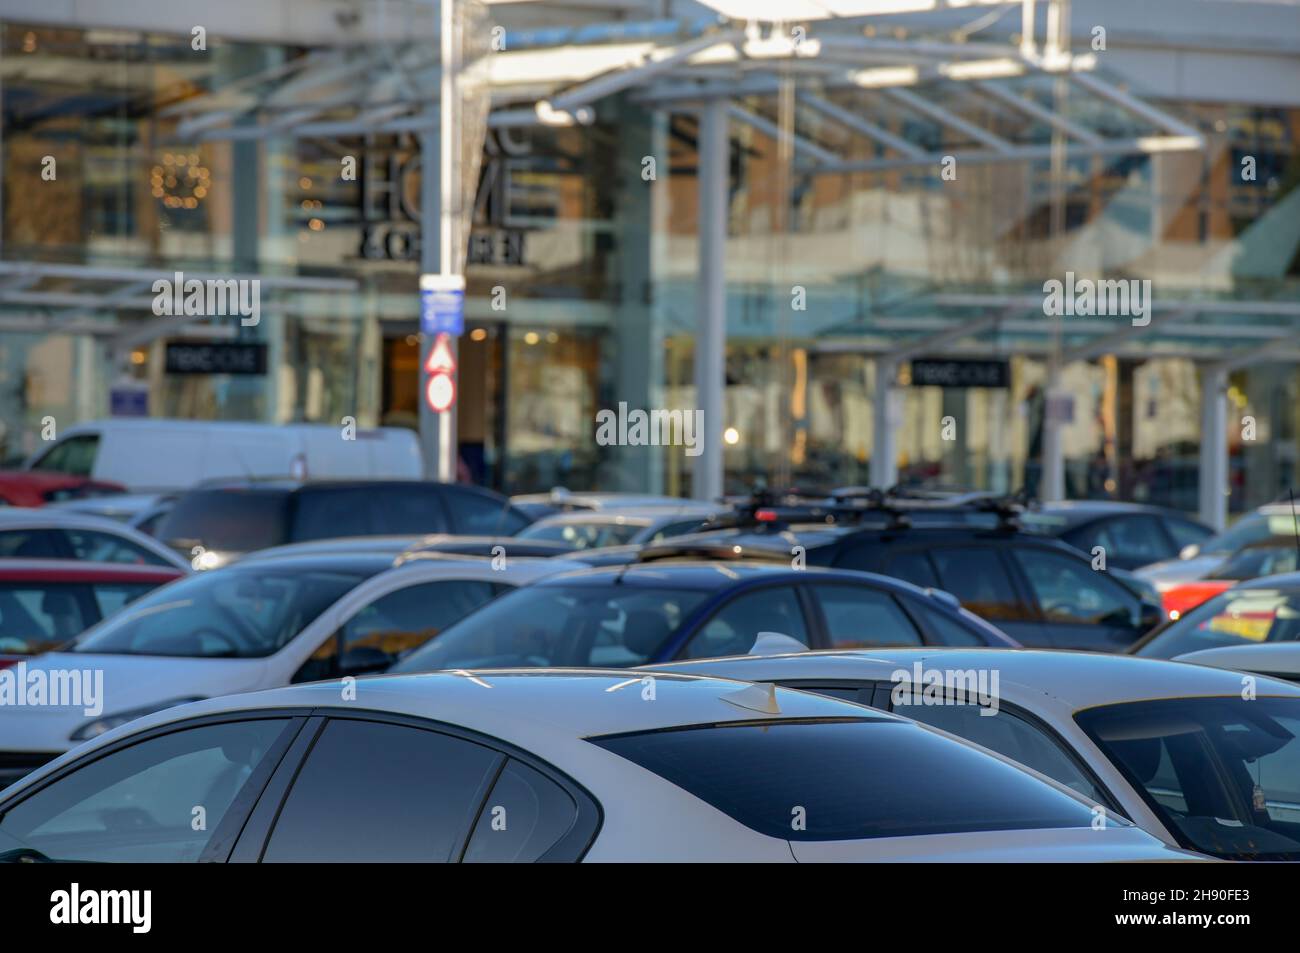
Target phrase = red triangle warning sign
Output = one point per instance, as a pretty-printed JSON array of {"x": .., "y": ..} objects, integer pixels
[{"x": 440, "y": 358}]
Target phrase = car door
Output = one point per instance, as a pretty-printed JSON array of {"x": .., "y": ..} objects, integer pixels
[
  {"x": 734, "y": 626},
  {"x": 372, "y": 787},
  {"x": 981, "y": 579},
  {"x": 856, "y": 616},
  {"x": 1079, "y": 607}
]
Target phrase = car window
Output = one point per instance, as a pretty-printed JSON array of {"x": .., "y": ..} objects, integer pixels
[
  {"x": 111, "y": 597},
  {"x": 1068, "y": 590},
  {"x": 913, "y": 567},
  {"x": 977, "y": 577},
  {"x": 237, "y": 612},
  {"x": 945, "y": 629},
  {"x": 1006, "y": 732},
  {"x": 733, "y": 629},
  {"x": 372, "y": 792},
  {"x": 331, "y": 512},
  {"x": 73, "y": 455},
  {"x": 229, "y": 521},
  {"x": 860, "y": 616},
  {"x": 395, "y": 623},
  {"x": 30, "y": 544},
  {"x": 827, "y": 775},
  {"x": 101, "y": 547},
  {"x": 409, "y": 509},
  {"x": 158, "y": 801},
  {"x": 675, "y": 529},
  {"x": 525, "y": 814},
  {"x": 40, "y": 616},
  {"x": 1235, "y": 617},
  {"x": 1139, "y": 539},
  {"x": 611, "y": 626},
  {"x": 476, "y": 515},
  {"x": 577, "y": 535},
  {"x": 1222, "y": 773},
  {"x": 1260, "y": 559},
  {"x": 1187, "y": 534}
]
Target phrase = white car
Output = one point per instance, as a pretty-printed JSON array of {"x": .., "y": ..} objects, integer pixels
[
  {"x": 633, "y": 525},
  {"x": 247, "y": 627},
  {"x": 1274, "y": 659},
  {"x": 49, "y": 532},
  {"x": 1175, "y": 748},
  {"x": 557, "y": 765}
]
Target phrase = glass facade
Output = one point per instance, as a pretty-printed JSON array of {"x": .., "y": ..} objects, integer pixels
[{"x": 582, "y": 277}]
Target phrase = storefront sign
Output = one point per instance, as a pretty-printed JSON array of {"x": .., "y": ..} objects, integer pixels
[
  {"x": 929, "y": 372},
  {"x": 215, "y": 357}
]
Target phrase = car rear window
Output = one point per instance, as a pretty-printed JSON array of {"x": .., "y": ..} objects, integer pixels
[
  {"x": 847, "y": 779},
  {"x": 227, "y": 521}
]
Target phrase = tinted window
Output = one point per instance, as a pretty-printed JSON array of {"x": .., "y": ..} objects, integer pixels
[
  {"x": 976, "y": 576},
  {"x": 1222, "y": 773},
  {"x": 141, "y": 803},
  {"x": 74, "y": 455},
  {"x": 762, "y": 774},
  {"x": 733, "y": 629},
  {"x": 610, "y": 626},
  {"x": 1138, "y": 539},
  {"x": 102, "y": 547},
  {"x": 1187, "y": 534},
  {"x": 1237, "y": 617},
  {"x": 342, "y": 511},
  {"x": 30, "y": 544},
  {"x": 378, "y": 792},
  {"x": 1069, "y": 590},
  {"x": 111, "y": 597},
  {"x": 914, "y": 568},
  {"x": 240, "y": 612},
  {"x": 409, "y": 508},
  {"x": 523, "y": 817},
  {"x": 227, "y": 521},
  {"x": 858, "y": 616},
  {"x": 477, "y": 515},
  {"x": 859, "y": 556},
  {"x": 396, "y": 623},
  {"x": 1260, "y": 559},
  {"x": 39, "y": 616},
  {"x": 1008, "y": 734},
  {"x": 675, "y": 529},
  {"x": 945, "y": 629}
]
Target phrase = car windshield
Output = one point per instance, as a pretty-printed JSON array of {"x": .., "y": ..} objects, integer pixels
[
  {"x": 227, "y": 521},
  {"x": 1235, "y": 617},
  {"x": 240, "y": 612},
  {"x": 1251, "y": 528},
  {"x": 583, "y": 535},
  {"x": 1222, "y": 773},
  {"x": 759, "y": 772},
  {"x": 610, "y": 627},
  {"x": 1259, "y": 559}
]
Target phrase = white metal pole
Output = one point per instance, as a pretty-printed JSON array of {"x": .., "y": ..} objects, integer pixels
[{"x": 711, "y": 328}]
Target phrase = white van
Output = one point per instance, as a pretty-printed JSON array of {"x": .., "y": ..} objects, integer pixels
[{"x": 158, "y": 455}]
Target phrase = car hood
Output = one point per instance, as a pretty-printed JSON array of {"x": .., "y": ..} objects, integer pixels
[
  {"x": 113, "y": 684},
  {"x": 1066, "y": 845},
  {"x": 1173, "y": 572}
]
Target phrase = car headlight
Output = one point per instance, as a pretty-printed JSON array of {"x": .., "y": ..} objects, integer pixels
[{"x": 93, "y": 729}]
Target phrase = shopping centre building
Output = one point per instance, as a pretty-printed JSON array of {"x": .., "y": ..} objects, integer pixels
[{"x": 849, "y": 226}]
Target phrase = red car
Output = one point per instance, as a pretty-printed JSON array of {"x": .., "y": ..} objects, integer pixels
[
  {"x": 38, "y": 487},
  {"x": 45, "y": 602}
]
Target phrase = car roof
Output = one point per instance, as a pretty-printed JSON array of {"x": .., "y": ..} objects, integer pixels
[
  {"x": 344, "y": 562},
  {"x": 702, "y": 576},
  {"x": 1077, "y": 679},
  {"x": 78, "y": 570},
  {"x": 19, "y": 517},
  {"x": 511, "y": 703},
  {"x": 1283, "y": 580}
]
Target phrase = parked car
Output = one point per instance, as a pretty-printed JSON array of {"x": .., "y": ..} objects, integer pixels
[
  {"x": 639, "y": 614},
  {"x": 45, "y": 603},
  {"x": 155, "y": 454},
  {"x": 223, "y": 520},
  {"x": 1175, "y": 748},
  {"x": 140, "y": 511},
  {"x": 1038, "y": 590},
  {"x": 560, "y": 500},
  {"x": 50, "y": 533},
  {"x": 1255, "y": 612},
  {"x": 1131, "y": 534},
  {"x": 256, "y": 625},
  {"x": 403, "y": 547},
  {"x": 424, "y": 769},
  {"x": 594, "y": 529},
  {"x": 24, "y": 488},
  {"x": 1198, "y": 561},
  {"x": 1274, "y": 659},
  {"x": 1268, "y": 558}
]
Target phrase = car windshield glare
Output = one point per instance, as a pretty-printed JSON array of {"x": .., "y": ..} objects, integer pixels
[
  {"x": 1223, "y": 774},
  {"x": 230, "y": 613},
  {"x": 611, "y": 627},
  {"x": 1235, "y": 617}
]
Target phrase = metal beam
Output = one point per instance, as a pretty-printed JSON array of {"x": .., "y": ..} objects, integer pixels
[
  {"x": 855, "y": 122},
  {"x": 1031, "y": 108},
  {"x": 774, "y": 132},
  {"x": 944, "y": 117}
]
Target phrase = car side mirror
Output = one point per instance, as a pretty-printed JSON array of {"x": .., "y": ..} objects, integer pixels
[
  {"x": 1189, "y": 551},
  {"x": 364, "y": 659}
]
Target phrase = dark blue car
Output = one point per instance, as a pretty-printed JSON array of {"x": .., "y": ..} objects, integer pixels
[{"x": 634, "y": 615}]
